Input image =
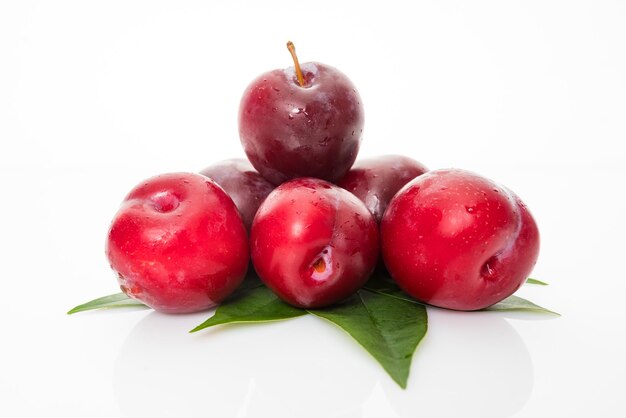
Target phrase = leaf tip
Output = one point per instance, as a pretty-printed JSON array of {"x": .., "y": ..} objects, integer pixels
[
  {"x": 530, "y": 280},
  {"x": 200, "y": 327},
  {"x": 401, "y": 381}
]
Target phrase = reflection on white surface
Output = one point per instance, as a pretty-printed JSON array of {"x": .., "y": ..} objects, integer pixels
[
  {"x": 378, "y": 405},
  {"x": 469, "y": 365},
  {"x": 239, "y": 370},
  {"x": 161, "y": 373}
]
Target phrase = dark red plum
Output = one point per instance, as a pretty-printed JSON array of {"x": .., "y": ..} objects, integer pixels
[
  {"x": 376, "y": 180},
  {"x": 304, "y": 121},
  {"x": 242, "y": 183}
]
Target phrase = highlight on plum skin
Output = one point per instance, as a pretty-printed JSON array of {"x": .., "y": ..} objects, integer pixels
[{"x": 313, "y": 243}]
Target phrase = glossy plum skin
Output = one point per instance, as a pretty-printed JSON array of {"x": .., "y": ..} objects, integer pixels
[
  {"x": 242, "y": 183},
  {"x": 376, "y": 180},
  {"x": 456, "y": 240},
  {"x": 313, "y": 243},
  {"x": 289, "y": 131},
  {"x": 178, "y": 243}
]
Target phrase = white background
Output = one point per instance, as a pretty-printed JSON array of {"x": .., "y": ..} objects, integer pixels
[{"x": 97, "y": 96}]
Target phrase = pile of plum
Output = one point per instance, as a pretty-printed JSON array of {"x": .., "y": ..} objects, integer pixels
[{"x": 313, "y": 223}]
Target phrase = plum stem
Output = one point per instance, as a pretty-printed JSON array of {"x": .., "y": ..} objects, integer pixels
[{"x": 292, "y": 50}]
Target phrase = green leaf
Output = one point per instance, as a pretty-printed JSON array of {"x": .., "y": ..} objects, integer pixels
[
  {"x": 251, "y": 281},
  {"x": 256, "y": 304},
  {"x": 387, "y": 327},
  {"x": 120, "y": 300},
  {"x": 535, "y": 281},
  {"x": 381, "y": 283},
  {"x": 117, "y": 300},
  {"x": 515, "y": 303}
]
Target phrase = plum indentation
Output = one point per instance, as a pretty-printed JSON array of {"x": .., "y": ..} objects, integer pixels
[
  {"x": 165, "y": 202},
  {"x": 319, "y": 265},
  {"x": 124, "y": 289},
  {"x": 322, "y": 268},
  {"x": 131, "y": 292},
  {"x": 488, "y": 270}
]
